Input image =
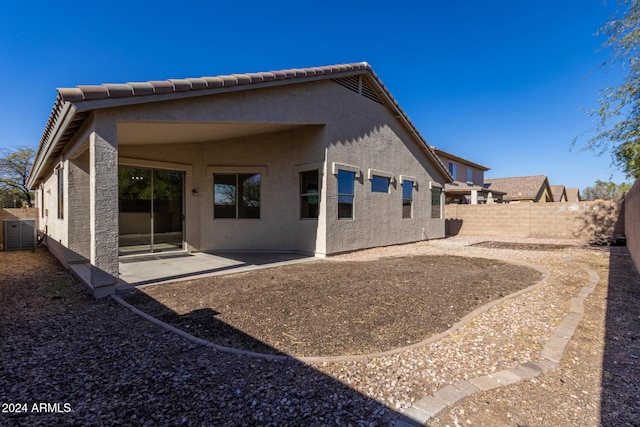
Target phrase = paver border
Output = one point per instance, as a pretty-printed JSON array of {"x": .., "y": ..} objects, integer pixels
[
  {"x": 360, "y": 357},
  {"x": 428, "y": 407}
]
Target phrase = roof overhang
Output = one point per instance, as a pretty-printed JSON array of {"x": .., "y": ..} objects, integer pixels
[
  {"x": 452, "y": 189},
  {"x": 459, "y": 159},
  {"x": 74, "y": 105},
  {"x": 59, "y": 131}
]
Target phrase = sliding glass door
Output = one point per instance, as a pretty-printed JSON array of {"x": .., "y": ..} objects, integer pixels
[{"x": 151, "y": 210}]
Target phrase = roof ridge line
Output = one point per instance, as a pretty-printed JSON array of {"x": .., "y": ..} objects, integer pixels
[{"x": 82, "y": 93}]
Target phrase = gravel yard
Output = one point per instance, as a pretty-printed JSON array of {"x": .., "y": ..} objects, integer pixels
[{"x": 112, "y": 367}]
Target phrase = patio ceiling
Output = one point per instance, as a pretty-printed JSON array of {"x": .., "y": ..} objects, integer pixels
[{"x": 165, "y": 133}]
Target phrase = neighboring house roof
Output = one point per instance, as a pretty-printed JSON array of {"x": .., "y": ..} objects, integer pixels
[
  {"x": 73, "y": 105},
  {"x": 559, "y": 193},
  {"x": 573, "y": 194},
  {"x": 520, "y": 187},
  {"x": 442, "y": 153},
  {"x": 464, "y": 188}
]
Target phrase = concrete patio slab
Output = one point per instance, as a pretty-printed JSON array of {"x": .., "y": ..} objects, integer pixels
[{"x": 159, "y": 268}]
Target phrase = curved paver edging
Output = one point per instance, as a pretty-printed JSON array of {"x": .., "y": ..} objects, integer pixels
[
  {"x": 361, "y": 357},
  {"x": 428, "y": 407},
  {"x": 197, "y": 340}
]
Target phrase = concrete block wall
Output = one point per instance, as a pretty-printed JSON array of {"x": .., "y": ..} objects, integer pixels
[
  {"x": 632, "y": 222},
  {"x": 18, "y": 213},
  {"x": 581, "y": 220}
]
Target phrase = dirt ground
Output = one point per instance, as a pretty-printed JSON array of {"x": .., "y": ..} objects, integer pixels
[
  {"x": 324, "y": 309},
  {"x": 32, "y": 282},
  {"x": 95, "y": 363}
]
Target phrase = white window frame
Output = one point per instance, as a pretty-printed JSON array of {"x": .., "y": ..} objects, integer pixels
[
  {"x": 453, "y": 170},
  {"x": 371, "y": 173},
  {"x": 41, "y": 201},
  {"x": 352, "y": 195},
  {"x": 413, "y": 185},
  {"x": 309, "y": 195},
  {"x": 437, "y": 185},
  {"x": 60, "y": 190},
  {"x": 238, "y": 169},
  {"x": 237, "y": 195},
  {"x": 335, "y": 168}
]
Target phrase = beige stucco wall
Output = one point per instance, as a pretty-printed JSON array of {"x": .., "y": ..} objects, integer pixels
[
  {"x": 302, "y": 127},
  {"x": 335, "y": 125},
  {"x": 364, "y": 134},
  {"x": 632, "y": 222},
  {"x": 77, "y": 208},
  {"x": 477, "y": 175},
  {"x": 274, "y": 155},
  {"x": 55, "y": 228},
  {"x": 68, "y": 237},
  {"x": 580, "y": 220}
]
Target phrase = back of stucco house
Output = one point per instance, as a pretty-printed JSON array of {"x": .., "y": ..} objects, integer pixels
[{"x": 316, "y": 160}]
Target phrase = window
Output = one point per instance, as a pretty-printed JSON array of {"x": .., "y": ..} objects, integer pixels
[
  {"x": 453, "y": 170},
  {"x": 379, "y": 184},
  {"x": 436, "y": 207},
  {"x": 407, "y": 199},
  {"x": 60, "y": 175},
  {"x": 469, "y": 174},
  {"x": 236, "y": 195},
  {"x": 309, "y": 191},
  {"x": 42, "y": 201},
  {"x": 346, "y": 193}
]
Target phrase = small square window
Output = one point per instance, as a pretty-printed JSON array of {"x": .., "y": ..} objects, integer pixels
[
  {"x": 236, "y": 195},
  {"x": 379, "y": 184}
]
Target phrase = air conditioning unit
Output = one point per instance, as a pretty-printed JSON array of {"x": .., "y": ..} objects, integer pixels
[{"x": 19, "y": 234}]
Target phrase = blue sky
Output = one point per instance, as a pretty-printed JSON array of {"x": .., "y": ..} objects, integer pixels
[{"x": 498, "y": 82}]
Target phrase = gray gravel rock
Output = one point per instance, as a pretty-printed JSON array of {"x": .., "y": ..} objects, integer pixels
[{"x": 96, "y": 363}]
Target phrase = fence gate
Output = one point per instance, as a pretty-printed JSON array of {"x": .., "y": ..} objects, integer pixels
[{"x": 19, "y": 234}]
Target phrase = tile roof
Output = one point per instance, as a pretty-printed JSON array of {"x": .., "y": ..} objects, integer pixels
[
  {"x": 73, "y": 105},
  {"x": 104, "y": 91},
  {"x": 518, "y": 187},
  {"x": 558, "y": 191},
  {"x": 463, "y": 187}
]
